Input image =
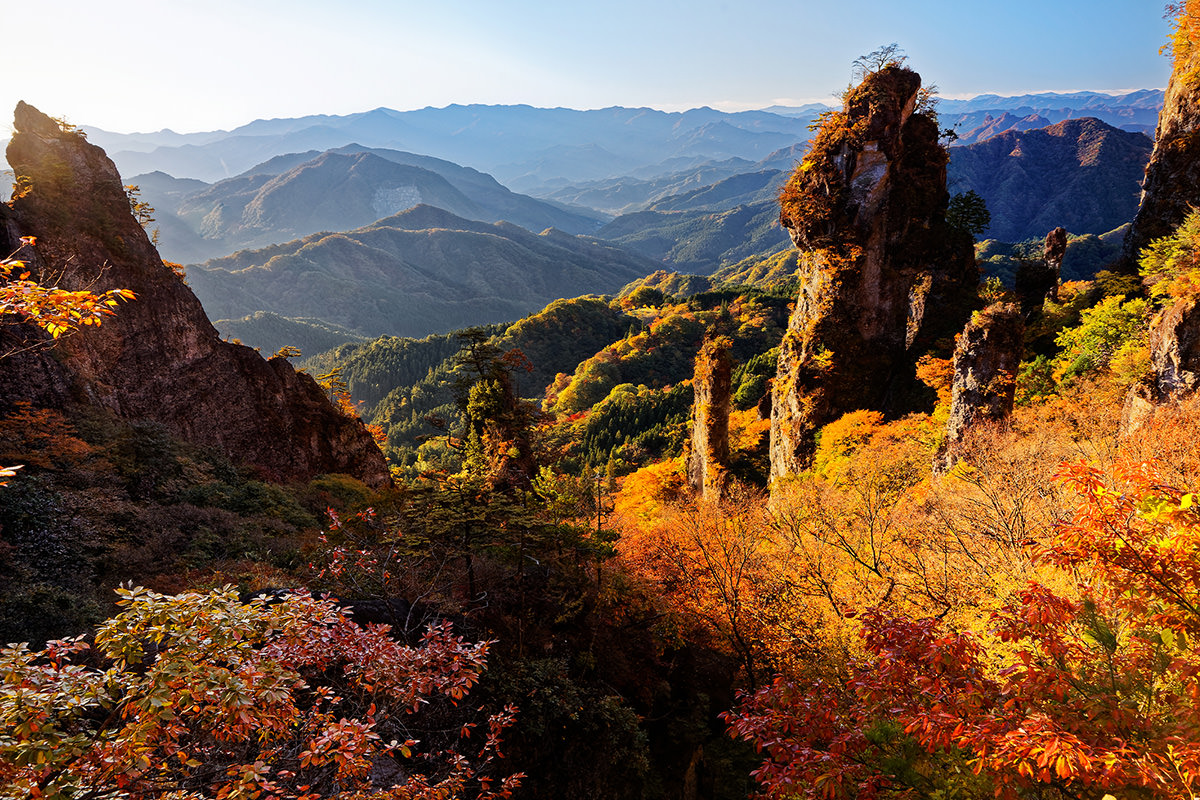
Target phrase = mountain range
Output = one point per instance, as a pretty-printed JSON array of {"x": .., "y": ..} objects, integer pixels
[
  {"x": 420, "y": 271},
  {"x": 293, "y": 195},
  {"x": 521, "y": 145},
  {"x": 687, "y": 212},
  {"x": 1081, "y": 174},
  {"x": 537, "y": 150}
]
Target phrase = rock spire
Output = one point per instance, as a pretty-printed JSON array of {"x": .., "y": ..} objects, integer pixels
[
  {"x": 883, "y": 276},
  {"x": 159, "y": 359}
]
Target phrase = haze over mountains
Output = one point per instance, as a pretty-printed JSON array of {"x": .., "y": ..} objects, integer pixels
[
  {"x": 521, "y": 145},
  {"x": 693, "y": 192},
  {"x": 526, "y": 148},
  {"x": 297, "y": 194},
  {"x": 423, "y": 270}
]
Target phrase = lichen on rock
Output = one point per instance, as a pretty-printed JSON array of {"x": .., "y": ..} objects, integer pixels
[
  {"x": 986, "y": 360},
  {"x": 1171, "y": 188},
  {"x": 883, "y": 277},
  {"x": 1174, "y": 363},
  {"x": 708, "y": 448}
]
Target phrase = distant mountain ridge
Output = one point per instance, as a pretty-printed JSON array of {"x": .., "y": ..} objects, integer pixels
[
  {"x": 513, "y": 143},
  {"x": 293, "y": 195},
  {"x": 1081, "y": 174},
  {"x": 1135, "y": 111},
  {"x": 422, "y": 271}
]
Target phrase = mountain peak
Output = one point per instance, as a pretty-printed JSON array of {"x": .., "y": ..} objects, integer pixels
[{"x": 159, "y": 359}]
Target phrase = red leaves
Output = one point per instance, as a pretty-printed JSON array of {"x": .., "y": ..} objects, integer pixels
[
  {"x": 1091, "y": 694},
  {"x": 283, "y": 700}
]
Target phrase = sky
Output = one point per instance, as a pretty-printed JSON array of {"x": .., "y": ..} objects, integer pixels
[{"x": 198, "y": 65}]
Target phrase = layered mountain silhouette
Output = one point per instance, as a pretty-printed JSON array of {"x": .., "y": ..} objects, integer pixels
[
  {"x": 294, "y": 195},
  {"x": 1082, "y": 174},
  {"x": 700, "y": 241},
  {"x": 994, "y": 126},
  {"x": 422, "y": 271},
  {"x": 521, "y": 145}
]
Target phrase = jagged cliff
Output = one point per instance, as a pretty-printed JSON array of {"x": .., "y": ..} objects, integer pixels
[
  {"x": 159, "y": 359},
  {"x": 986, "y": 359},
  {"x": 883, "y": 276},
  {"x": 1172, "y": 184},
  {"x": 1174, "y": 363},
  {"x": 708, "y": 448}
]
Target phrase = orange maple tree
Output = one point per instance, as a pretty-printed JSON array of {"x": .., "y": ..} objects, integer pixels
[
  {"x": 1085, "y": 695},
  {"x": 205, "y": 696}
]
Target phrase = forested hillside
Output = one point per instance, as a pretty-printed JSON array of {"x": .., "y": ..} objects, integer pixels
[
  {"x": 879, "y": 508},
  {"x": 419, "y": 271}
]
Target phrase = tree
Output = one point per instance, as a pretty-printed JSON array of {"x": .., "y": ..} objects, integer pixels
[
  {"x": 54, "y": 310},
  {"x": 968, "y": 212},
  {"x": 204, "y": 696},
  {"x": 1170, "y": 266},
  {"x": 1076, "y": 695},
  {"x": 889, "y": 55}
]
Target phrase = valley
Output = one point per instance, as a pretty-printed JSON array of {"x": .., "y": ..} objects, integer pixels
[{"x": 494, "y": 451}]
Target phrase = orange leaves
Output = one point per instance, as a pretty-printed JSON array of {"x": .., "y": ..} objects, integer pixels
[
  {"x": 9, "y": 472},
  {"x": 1185, "y": 39},
  {"x": 206, "y": 696},
  {"x": 1088, "y": 696},
  {"x": 56, "y": 311}
]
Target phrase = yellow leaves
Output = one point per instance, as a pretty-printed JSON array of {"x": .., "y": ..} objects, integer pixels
[
  {"x": 54, "y": 310},
  {"x": 9, "y": 472}
]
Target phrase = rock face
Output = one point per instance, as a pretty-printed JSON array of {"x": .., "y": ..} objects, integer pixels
[
  {"x": 986, "y": 359},
  {"x": 883, "y": 277},
  {"x": 708, "y": 450},
  {"x": 1053, "y": 253},
  {"x": 1172, "y": 184},
  {"x": 1174, "y": 361},
  {"x": 159, "y": 359}
]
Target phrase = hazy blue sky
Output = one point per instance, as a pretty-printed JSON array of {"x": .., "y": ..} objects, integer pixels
[{"x": 205, "y": 64}]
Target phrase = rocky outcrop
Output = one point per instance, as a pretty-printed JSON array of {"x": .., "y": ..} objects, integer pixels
[
  {"x": 708, "y": 449},
  {"x": 1174, "y": 361},
  {"x": 1171, "y": 188},
  {"x": 1054, "y": 251},
  {"x": 986, "y": 360},
  {"x": 883, "y": 277},
  {"x": 159, "y": 359}
]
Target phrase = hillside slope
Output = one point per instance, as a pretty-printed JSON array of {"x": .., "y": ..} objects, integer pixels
[
  {"x": 301, "y": 193},
  {"x": 159, "y": 360},
  {"x": 421, "y": 271},
  {"x": 1082, "y": 174}
]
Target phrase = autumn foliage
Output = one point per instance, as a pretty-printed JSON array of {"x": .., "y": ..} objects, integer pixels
[
  {"x": 54, "y": 310},
  {"x": 204, "y": 696},
  {"x": 1089, "y": 692}
]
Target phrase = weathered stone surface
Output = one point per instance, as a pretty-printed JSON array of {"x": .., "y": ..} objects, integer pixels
[
  {"x": 708, "y": 448},
  {"x": 986, "y": 360},
  {"x": 1053, "y": 253},
  {"x": 1174, "y": 361},
  {"x": 1171, "y": 188},
  {"x": 159, "y": 359},
  {"x": 883, "y": 277}
]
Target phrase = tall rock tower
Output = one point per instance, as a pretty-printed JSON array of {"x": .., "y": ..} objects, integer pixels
[
  {"x": 708, "y": 448},
  {"x": 883, "y": 276},
  {"x": 159, "y": 359},
  {"x": 1171, "y": 188}
]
